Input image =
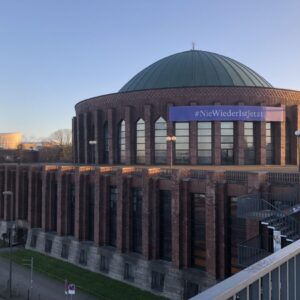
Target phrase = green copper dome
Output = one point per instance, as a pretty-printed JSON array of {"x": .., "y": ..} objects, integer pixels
[{"x": 194, "y": 68}]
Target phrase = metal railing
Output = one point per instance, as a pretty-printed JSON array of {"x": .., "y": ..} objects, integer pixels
[{"x": 274, "y": 277}]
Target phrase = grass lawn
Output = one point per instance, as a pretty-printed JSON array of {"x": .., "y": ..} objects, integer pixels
[{"x": 95, "y": 284}]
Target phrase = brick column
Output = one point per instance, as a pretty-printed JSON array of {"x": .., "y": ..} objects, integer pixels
[
  {"x": 85, "y": 137},
  {"x": 280, "y": 144},
  {"x": 193, "y": 141},
  {"x": 260, "y": 136},
  {"x": 111, "y": 136},
  {"x": 129, "y": 136},
  {"x": 29, "y": 214},
  {"x": 121, "y": 207},
  {"x": 210, "y": 208},
  {"x": 216, "y": 143},
  {"x": 80, "y": 139},
  {"x": 239, "y": 144},
  {"x": 149, "y": 135},
  {"x": 170, "y": 132},
  {"x": 74, "y": 140},
  {"x": 17, "y": 195},
  {"x": 6, "y": 197}
]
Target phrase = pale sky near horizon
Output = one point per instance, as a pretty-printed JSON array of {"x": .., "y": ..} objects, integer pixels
[{"x": 56, "y": 53}]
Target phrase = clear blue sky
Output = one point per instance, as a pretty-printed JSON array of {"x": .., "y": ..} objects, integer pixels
[{"x": 54, "y": 53}]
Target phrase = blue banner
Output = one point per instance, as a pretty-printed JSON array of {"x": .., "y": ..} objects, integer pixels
[{"x": 226, "y": 113}]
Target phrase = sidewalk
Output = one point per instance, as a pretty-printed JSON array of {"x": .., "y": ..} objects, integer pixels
[{"x": 44, "y": 288}]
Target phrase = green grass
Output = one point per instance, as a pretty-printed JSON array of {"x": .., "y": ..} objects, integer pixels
[{"x": 95, "y": 284}]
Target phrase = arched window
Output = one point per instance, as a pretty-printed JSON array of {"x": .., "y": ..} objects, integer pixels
[
  {"x": 140, "y": 142},
  {"x": 122, "y": 146},
  {"x": 105, "y": 143},
  {"x": 160, "y": 143}
]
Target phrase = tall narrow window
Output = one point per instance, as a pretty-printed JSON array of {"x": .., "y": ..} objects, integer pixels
[
  {"x": 71, "y": 208},
  {"x": 137, "y": 198},
  {"x": 113, "y": 216},
  {"x": 227, "y": 143},
  {"x": 140, "y": 142},
  {"x": 160, "y": 141},
  {"x": 122, "y": 146},
  {"x": 204, "y": 143},
  {"x": 90, "y": 213},
  {"x": 249, "y": 152},
  {"x": 288, "y": 134},
  {"x": 269, "y": 144},
  {"x": 198, "y": 236},
  {"x": 105, "y": 143},
  {"x": 165, "y": 225},
  {"x": 182, "y": 146}
]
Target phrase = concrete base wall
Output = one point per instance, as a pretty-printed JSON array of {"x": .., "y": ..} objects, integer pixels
[{"x": 88, "y": 256}]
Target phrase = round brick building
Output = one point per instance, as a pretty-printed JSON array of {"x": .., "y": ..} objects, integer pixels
[{"x": 131, "y": 126}]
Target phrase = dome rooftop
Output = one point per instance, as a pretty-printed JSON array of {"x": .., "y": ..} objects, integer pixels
[{"x": 194, "y": 68}]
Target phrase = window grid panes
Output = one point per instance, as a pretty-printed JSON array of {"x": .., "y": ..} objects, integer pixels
[
  {"x": 204, "y": 143},
  {"x": 269, "y": 144},
  {"x": 137, "y": 198},
  {"x": 122, "y": 146},
  {"x": 227, "y": 143},
  {"x": 182, "y": 144},
  {"x": 113, "y": 195},
  {"x": 140, "y": 142},
  {"x": 249, "y": 150},
  {"x": 160, "y": 141}
]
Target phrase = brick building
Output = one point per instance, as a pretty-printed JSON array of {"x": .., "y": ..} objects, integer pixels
[{"x": 122, "y": 211}]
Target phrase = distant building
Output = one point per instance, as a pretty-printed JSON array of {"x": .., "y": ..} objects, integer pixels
[
  {"x": 156, "y": 194},
  {"x": 10, "y": 140}
]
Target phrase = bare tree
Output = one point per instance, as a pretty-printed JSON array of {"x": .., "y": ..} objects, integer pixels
[{"x": 62, "y": 136}]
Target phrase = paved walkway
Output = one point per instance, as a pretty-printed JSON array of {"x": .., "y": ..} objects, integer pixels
[{"x": 44, "y": 288}]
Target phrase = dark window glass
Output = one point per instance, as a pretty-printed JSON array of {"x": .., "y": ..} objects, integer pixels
[
  {"x": 249, "y": 143},
  {"x": 105, "y": 143},
  {"x": 48, "y": 245},
  {"x": 128, "y": 272},
  {"x": 288, "y": 134},
  {"x": 90, "y": 213},
  {"x": 113, "y": 215},
  {"x": 182, "y": 145},
  {"x": 160, "y": 143},
  {"x": 165, "y": 224},
  {"x": 122, "y": 145},
  {"x": 83, "y": 257},
  {"x": 227, "y": 143},
  {"x": 190, "y": 289},
  {"x": 65, "y": 251},
  {"x": 198, "y": 236},
  {"x": 71, "y": 209},
  {"x": 157, "y": 281},
  {"x": 140, "y": 142},
  {"x": 269, "y": 143},
  {"x": 33, "y": 241},
  {"x": 236, "y": 235},
  {"x": 204, "y": 143},
  {"x": 104, "y": 266},
  {"x": 53, "y": 204},
  {"x": 137, "y": 200}
]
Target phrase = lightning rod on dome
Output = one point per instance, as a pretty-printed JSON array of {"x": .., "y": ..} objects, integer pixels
[{"x": 193, "y": 45}]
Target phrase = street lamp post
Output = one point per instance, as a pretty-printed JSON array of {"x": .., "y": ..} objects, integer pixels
[
  {"x": 297, "y": 134},
  {"x": 11, "y": 194},
  {"x": 171, "y": 138},
  {"x": 93, "y": 147}
]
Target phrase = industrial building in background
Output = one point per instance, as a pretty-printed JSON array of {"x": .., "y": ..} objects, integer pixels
[{"x": 182, "y": 178}]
